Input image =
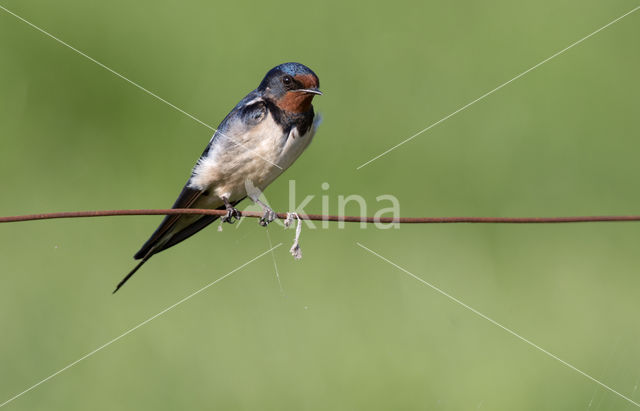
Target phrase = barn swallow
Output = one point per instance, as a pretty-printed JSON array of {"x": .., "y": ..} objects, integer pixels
[{"x": 255, "y": 143}]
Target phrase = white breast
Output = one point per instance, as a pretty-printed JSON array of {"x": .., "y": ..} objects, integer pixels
[{"x": 258, "y": 156}]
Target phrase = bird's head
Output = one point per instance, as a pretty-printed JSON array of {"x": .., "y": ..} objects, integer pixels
[{"x": 291, "y": 86}]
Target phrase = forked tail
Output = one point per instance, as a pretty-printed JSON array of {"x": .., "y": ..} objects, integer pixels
[{"x": 132, "y": 272}]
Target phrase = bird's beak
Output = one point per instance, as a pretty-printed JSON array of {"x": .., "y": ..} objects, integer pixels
[{"x": 310, "y": 91}]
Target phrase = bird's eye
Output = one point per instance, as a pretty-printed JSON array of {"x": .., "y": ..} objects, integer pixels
[{"x": 287, "y": 80}]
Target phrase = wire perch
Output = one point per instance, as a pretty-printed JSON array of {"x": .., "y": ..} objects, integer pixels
[
  {"x": 288, "y": 218},
  {"x": 319, "y": 217}
]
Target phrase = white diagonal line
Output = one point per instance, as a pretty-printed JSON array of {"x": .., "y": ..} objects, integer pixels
[
  {"x": 137, "y": 326},
  {"x": 275, "y": 265},
  {"x": 215, "y": 130},
  {"x": 454, "y": 299},
  {"x": 498, "y": 88}
]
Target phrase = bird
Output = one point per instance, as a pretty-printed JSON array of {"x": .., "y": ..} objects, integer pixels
[{"x": 254, "y": 144}]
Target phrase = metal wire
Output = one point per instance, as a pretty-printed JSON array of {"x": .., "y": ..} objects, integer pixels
[{"x": 319, "y": 217}]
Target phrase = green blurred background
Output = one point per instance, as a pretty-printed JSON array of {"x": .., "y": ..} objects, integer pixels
[{"x": 351, "y": 331}]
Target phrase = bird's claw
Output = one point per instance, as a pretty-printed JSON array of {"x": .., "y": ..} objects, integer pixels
[
  {"x": 269, "y": 216},
  {"x": 232, "y": 216}
]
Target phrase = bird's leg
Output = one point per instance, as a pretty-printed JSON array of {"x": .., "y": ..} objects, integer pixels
[
  {"x": 232, "y": 213},
  {"x": 269, "y": 214}
]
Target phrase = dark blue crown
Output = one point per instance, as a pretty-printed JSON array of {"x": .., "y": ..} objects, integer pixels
[{"x": 292, "y": 69}]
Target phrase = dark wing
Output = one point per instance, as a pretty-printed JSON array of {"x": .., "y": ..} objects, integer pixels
[
  {"x": 158, "y": 240},
  {"x": 192, "y": 228},
  {"x": 176, "y": 228},
  {"x": 187, "y": 197},
  {"x": 250, "y": 111}
]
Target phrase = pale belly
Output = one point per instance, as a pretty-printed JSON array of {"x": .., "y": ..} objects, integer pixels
[{"x": 257, "y": 159}]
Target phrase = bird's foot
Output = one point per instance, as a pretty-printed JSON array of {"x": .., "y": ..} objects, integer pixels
[
  {"x": 269, "y": 214},
  {"x": 233, "y": 214}
]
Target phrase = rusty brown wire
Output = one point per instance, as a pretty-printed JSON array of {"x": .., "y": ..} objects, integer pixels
[{"x": 319, "y": 217}]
